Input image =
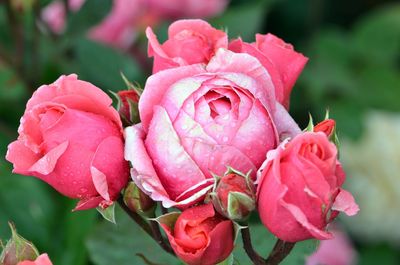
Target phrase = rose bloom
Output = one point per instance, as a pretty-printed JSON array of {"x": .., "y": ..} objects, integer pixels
[
  {"x": 54, "y": 13},
  {"x": 199, "y": 119},
  {"x": 200, "y": 236},
  {"x": 71, "y": 138},
  {"x": 189, "y": 42},
  {"x": 299, "y": 188},
  {"x": 41, "y": 260},
  {"x": 120, "y": 26},
  {"x": 282, "y": 62}
]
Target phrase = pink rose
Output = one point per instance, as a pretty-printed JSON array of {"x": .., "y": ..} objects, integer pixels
[
  {"x": 299, "y": 190},
  {"x": 199, "y": 119},
  {"x": 200, "y": 236},
  {"x": 118, "y": 29},
  {"x": 54, "y": 14},
  {"x": 174, "y": 9},
  {"x": 282, "y": 62},
  {"x": 189, "y": 42},
  {"x": 71, "y": 138},
  {"x": 41, "y": 260},
  {"x": 336, "y": 251}
]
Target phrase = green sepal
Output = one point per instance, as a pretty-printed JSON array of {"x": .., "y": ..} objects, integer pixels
[
  {"x": 131, "y": 86},
  {"x": 134, "y": 108},
  {"x": 17, "y": 249},
  {"x": 310, "y": 126},
  {"x": 108, "y": 213},
  {"x": 168, "y": 219},
  {"x": 236, "y": 200}
]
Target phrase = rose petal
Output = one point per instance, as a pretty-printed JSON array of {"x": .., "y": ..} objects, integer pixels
[
  {"x": 21, "y": 157},
  {"x": 288, "y": 62},
  {"x": 158, "y": 84},
  {"x": 247, "y": 72},
  {"x": 47, "y": 163},
  {"x": 88, "y": 203},
  {"x": 100, "y": 182},
  {"x": 345, "y": 202},
  {"x": 143, "y": 173},
  {"x": 163, "y": 144}
]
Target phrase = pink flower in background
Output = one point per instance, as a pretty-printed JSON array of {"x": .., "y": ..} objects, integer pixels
[
  {"x": 71, "y": 138},
  {"x": 41, "y": 260},
  {"x": 198, "y": 119},
  {"x": 200, "y": 236},
  {"x": 189, "y": 42},
  {"x": 299, "y": 188},
  {"x": 282, "y": 62},
  {"x": 119, "y": 27},
  {"x": 174, "y": 9},
  {"x": 54, "y": 13},
  {"x": 335, "y": 251}
]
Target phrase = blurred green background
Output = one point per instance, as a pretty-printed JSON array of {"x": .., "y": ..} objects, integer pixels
[{"x": 354, "y": 70}]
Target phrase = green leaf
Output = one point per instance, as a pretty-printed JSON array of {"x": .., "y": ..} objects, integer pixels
[
  {"x": 11, "y": 87},
  {"x": 243, "y": 20},
  {"x": 120, "y": 244},
  {"x": 108, "y": 213},
  {"x": 90, "y": 14},
  {"x": 102, "y": 65}
]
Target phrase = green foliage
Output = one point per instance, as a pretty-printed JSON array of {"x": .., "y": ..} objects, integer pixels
[
  {"x": 121, "y": 244},
  {"x": 90, "y": 14},
  {"x": 102, "y": 65},
  {"x": 244, "y": 20},
  {"x": 351, "y": 72}
]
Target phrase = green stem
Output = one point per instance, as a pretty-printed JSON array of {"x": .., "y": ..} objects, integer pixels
[{"x": 279, "y": 252}]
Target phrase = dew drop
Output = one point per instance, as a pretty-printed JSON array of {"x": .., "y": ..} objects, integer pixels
[{"x": 225, "y": 139}]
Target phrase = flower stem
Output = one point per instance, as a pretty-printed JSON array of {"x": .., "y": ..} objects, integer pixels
[
  {"x": 152, "y": 229},
  {"x": 279, "y": 252},
  {"x": 248, "y": 247},
  {"x": 159, "y": 238},
  {"x": 136, "y": 217}
]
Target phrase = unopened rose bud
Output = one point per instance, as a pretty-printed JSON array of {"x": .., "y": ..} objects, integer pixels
[
  {"x": 137, "y": 201},
  {"x": 234, "y": 195},
  {"x": 17, "y": 249},
  {"x": 327, "y": 126},
  {"x": 128, "y": 106}
]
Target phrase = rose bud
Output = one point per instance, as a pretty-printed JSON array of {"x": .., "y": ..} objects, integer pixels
[
  {"x": 326, "y": 126},
  {"x": 199, "y": 119},
  {"x": 41, "y": 260},
  {"x": 199, "y": 236},
  {"x": 17, "y": 249},
  {"x": 189, "y": 41},
  {"x": 300, "y": 188},
  {"x": 71, "y": 138},
  {"x": 137, "y": 201},
  {"x": 234, "y": 195},
  {"x": 128, "y": 106},
  {"x": 279, "y": 58}
]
